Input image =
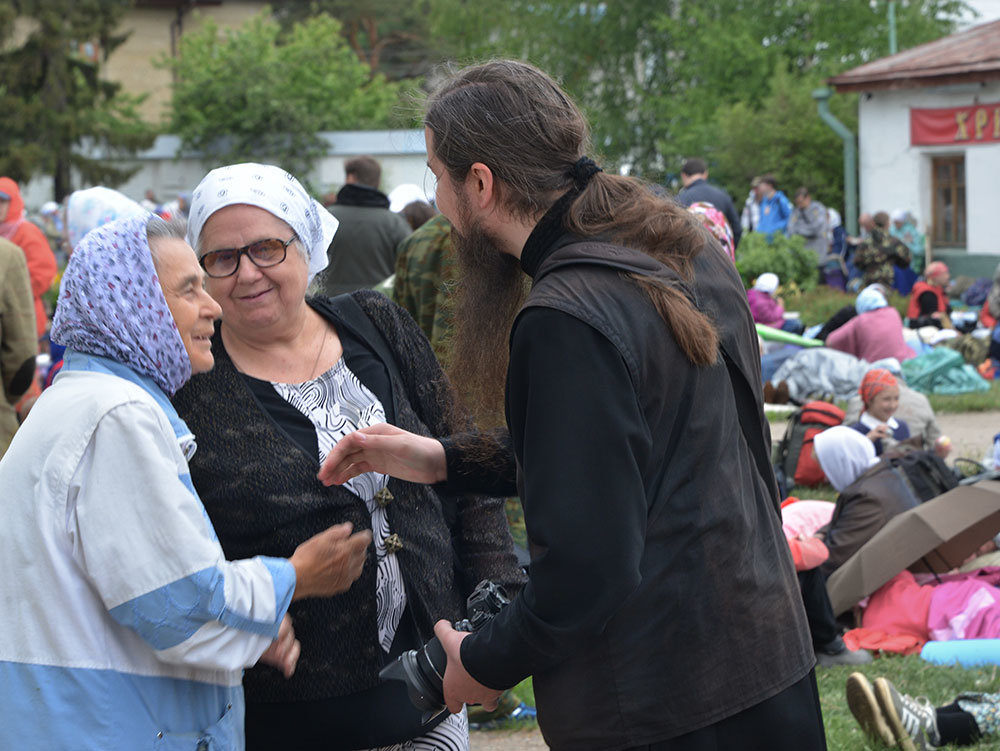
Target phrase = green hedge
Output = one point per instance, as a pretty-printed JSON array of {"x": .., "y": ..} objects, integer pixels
[{"x": 782, "y": 255}]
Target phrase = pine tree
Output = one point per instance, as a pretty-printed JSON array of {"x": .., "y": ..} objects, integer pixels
[{"x": 53, "y": 98}]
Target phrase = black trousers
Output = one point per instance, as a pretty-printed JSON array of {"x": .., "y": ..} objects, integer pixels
[
  {"x": 957, "y": 726},
  {"x": 819, "y": 612},
  {"x": 789, "y": 721}
]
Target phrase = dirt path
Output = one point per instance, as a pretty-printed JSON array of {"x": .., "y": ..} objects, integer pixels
[
  {"x": 507, "y": 740},
  {"x": 971, "y": 433}
]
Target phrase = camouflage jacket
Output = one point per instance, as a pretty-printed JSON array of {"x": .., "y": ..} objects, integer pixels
[
  {"x": 425, "y": 279},
  {"x": 877, "y": 255}
]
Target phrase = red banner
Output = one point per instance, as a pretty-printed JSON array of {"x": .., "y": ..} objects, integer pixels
[{"x": 956, "y": 125}]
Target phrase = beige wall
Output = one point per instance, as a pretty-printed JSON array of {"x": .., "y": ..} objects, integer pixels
[{"x": 132, "y": 63}]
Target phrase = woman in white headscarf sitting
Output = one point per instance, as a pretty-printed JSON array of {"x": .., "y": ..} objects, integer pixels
[
  {"x": 292, "y": 377},
  {"x": 871, "y": 492},
  {"x": 124, "y": 626},
  {"x": 875, "y": 333}
]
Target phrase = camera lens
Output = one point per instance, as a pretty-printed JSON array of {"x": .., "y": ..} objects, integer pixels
[{"x": 422, "y": 670}]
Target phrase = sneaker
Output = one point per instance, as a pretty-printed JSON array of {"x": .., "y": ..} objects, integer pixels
[
  {"x": 913, "y": 721},
  {"x": 837, "y": 653},
  {"x": 863, "y": 705}
]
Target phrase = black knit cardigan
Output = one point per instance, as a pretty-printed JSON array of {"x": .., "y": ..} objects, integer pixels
[{"x": 262, "y": 495}]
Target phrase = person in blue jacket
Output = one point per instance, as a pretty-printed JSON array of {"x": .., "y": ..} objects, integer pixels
[{"x": 775, "y": 208}]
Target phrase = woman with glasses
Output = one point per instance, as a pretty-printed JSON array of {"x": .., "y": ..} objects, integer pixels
[{"x": 293, "y": 375}]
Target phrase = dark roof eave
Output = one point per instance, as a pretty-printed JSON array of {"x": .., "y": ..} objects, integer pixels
[{"x": 844, "y": 84}]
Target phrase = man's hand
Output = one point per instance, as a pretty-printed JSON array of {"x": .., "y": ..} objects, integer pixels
[
  {"x": 328, "y": 563},
  {"x": 460, "y": 687},
  {"x": 387, "y": 449},
  {"x": 284, "y": 651}
]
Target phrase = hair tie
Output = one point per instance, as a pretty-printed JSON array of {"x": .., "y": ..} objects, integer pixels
[{"x": 583, "y": 169}]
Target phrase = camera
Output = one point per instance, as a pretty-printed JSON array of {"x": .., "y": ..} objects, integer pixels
[{"x": 422, "y": 670}]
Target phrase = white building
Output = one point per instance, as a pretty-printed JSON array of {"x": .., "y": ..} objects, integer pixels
[
  {"x": 167, "y": 170},
  {"x": 929, "y": 141}
]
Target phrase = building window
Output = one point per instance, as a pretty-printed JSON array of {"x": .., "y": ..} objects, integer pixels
[{"x": 949, "y": 201}]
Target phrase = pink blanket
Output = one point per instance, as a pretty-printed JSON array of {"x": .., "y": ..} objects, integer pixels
[
  {"x": 961, "y": 606},
  {"x": 966, "y": 606}
]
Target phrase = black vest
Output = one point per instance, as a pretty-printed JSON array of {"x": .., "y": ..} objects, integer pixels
[{"x": 717, "y": 623}]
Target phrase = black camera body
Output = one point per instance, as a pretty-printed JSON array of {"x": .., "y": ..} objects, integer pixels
[{"x": 422, "y": 670}]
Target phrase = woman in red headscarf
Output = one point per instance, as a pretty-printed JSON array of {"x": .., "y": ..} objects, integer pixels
[
  {"x": 31, "y": 240},
  {"x": 880, "y": 394},
  {"x": 929, "y": 300}
]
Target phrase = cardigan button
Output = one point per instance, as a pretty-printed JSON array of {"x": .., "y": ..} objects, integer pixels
[
  {"x": 393, "y": 543},
  {"x": 383, "y": 497}
]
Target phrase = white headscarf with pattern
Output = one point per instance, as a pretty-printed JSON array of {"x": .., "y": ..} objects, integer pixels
[{"x": 272, "y": 189}]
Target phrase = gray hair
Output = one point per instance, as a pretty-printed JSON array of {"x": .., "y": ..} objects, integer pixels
[{"x": 160, "y": 229}]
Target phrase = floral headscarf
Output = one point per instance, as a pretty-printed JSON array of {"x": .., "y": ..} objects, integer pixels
[
  {"x": 272, "y": 189},
  {"x": 876, "y": 381},
  {"x": 90, "y": 208},
  {"x": 111, "y": 305},
  {"x": 716, "y": 223}
]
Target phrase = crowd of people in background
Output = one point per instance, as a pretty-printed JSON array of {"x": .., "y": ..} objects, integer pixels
[{"x": 306, "y": 354}]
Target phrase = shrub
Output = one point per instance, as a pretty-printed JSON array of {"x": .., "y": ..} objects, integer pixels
[{"x": 782, "y": 255}]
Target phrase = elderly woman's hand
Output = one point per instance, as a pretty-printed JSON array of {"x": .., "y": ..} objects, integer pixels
[
  {"x": 285, "y": 650},
  {"x": 387, "y": 449},
  {"x": 328, "y": 563}
]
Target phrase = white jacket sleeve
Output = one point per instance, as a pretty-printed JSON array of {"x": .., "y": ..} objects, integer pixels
[{"x": 145, "y": 542}]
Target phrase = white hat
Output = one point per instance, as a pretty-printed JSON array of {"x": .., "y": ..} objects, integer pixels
[
  {"x": 766, "y": 282},
  {"x": 899, "y": 215},
  {"x": 404, "y": 194}
]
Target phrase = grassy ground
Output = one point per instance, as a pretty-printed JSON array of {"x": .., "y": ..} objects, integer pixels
[
  {"x": 977, "y": 402},
  {"x": 911, "y": 675},
  {"x": 817, "y": 305}
]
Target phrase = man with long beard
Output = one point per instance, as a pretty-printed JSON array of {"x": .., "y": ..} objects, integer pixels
[{"x": 662, "y": 610}]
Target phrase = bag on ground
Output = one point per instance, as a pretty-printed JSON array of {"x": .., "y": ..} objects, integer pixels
[
  {"x": 926, "y": 473},
  {"x": 796, "y": 462}
]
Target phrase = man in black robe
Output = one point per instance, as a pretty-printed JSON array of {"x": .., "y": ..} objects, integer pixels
[{"x": 662, "y": 610}]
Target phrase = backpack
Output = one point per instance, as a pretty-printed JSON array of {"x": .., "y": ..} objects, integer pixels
[
  {"x": 926, "y": 473},
  {"x": 795, "y": 463},
  {"x": 977, "y": 292}
]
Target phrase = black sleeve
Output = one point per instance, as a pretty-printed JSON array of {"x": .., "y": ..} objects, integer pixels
[
  {"x": 837, "y": 320},
  {"x": 579, "y": 430},
  {"x": 479, "y": 463},
  {"x": 734, "y": 222},
  {"x": 928, "y": 303}
]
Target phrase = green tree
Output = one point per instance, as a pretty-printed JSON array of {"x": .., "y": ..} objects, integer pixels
[
  {"x": 652, "y": 75},
  {"x": 783, "y": 136},
  {"x": 391, "y": 36},
  {"x": 258, "y": 92},
  {"x": 53, "y": 98}
]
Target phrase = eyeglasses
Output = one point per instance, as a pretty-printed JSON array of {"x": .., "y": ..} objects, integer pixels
[{"x": 263, "y": 253}]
